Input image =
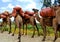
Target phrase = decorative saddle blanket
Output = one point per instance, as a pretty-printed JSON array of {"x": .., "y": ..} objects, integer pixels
[
  {"x": 47, "y": 12},
  {"x": 2, "y": 16},
  {"x": 18, "y": 10},
  {"x": 28, "y": 14}
]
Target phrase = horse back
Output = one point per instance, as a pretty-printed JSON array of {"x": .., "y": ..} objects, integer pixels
[
  {"x": 47, "y": 12},
  {"x": 2, "y": 16},
  {"x": 19, "y": 10}
]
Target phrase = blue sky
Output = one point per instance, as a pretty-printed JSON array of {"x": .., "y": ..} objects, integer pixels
[{"x": 24, "y": 4}]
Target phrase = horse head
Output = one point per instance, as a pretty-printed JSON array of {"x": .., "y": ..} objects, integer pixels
[{"x": 35, "y": 10}]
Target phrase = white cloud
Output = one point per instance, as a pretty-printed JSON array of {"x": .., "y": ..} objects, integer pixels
[
  {"x": 52, "y": 1},
  {"x": 10, "y": 6},
  {"x": 25, "y": 0},
  {"x": 3, "y": 8},
  {"x": 31, "y": 5},
  {"x": 19, "y": 6},
  {"x": 6, "y": 0},
  {"x": 6, "y": 8}
]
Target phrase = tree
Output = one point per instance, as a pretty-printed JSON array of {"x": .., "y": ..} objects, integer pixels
[
  {"x": 46, "y": 3},
  {"x": 56, "y": 1},
  {"x": 59, "y": 1}
]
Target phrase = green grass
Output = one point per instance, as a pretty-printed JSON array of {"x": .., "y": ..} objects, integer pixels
[{"x": 30, "y": 30}]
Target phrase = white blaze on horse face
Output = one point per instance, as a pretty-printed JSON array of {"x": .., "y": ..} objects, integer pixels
[
  {"x": 34, "y": 15},
  {"x": 37, "y": 18}
]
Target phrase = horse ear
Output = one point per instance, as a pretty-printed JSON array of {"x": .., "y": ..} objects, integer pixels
[{"x": 33, "y": 9}]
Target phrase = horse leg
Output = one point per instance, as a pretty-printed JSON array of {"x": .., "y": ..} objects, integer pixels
[
  {"x": 26, "y": 29},
  {"x": 10, "y": 27},
  {"x": 31, "y": 20},
  {"x": 55, "y": 26},
  {"x": 14, "y": 30},
  {"x": 3, "y": 24},
  {"x": 44, "y": 32},
  {"x": 2, "y": 28},
  {"x": 33, "y": 30},
  {"x": 37, "y": 29},
  {"x": 56, "y": 35},
  {"x": 23, "y": 29},
  {"x": 59, "y": 32},
  {"x": 43, "y": 28},
  {"x": 19, "y": 36}
]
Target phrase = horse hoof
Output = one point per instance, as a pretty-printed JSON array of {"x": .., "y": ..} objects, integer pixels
[
  {"x": 9, "y": 33},
  {"x": 12, "y": 34},
  {"x": 32, "y": 37},
  {"x": 54, "y": 40},
  {"x": 43, "y": 40},
  {"x": 25, "y": 34},
  {"x": 18, "y": 37}
]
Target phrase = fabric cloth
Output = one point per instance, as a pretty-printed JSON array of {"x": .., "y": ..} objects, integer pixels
[{"x": 47, "y": 12}]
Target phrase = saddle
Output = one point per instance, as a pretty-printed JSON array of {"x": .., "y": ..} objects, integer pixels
[
  {"x": 47, "y": 12},
  {"x": 18, "y": 10},
  {"x": 2, "y": 16},
  {"x": 28, "y": 14}
]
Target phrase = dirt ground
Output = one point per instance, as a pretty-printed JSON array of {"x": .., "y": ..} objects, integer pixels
[{"x": 5, "y": 37}]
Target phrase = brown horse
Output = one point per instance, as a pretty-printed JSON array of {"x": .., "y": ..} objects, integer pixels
[
  {"x": 28, "y": 20},
  {"x": 46, "y": 20},
  {"x": 50, "y": 17},
  {"x": 6, "y": 20},
  {"x": 56, "y": 21},
  {"x": 17, "y": 11}
]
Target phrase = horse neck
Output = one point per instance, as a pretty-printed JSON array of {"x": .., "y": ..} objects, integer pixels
[
  {"x": 58, "y": 15},
  {"x": 18, "y": 16},
  {"x": 37, "y": 17}
]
